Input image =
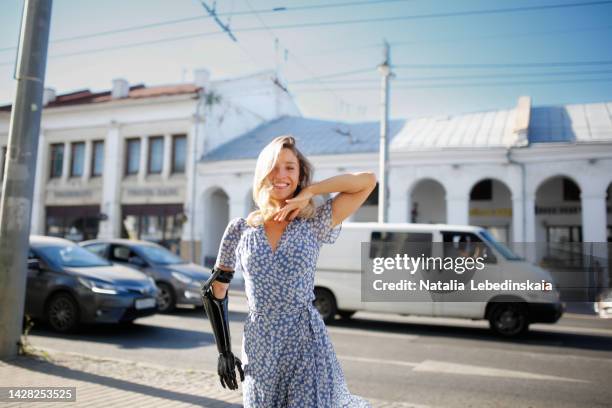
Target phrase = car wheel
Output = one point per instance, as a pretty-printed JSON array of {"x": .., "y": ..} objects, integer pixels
[
  {"x": 166, "y": 300},
  {"x": 325, "y": 304},
  {"x": 509, "y": 319},
  {"x": 62, "y": 313},
  {"x": 346, "y": 314}
]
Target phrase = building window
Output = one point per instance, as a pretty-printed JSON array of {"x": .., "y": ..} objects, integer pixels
[
  {"x": 482, "y": 191},
  {"x": 571, "y": 192},
  {"x": 77, "y": 159},
  {"x": 76, "y": 223},
  {"x": 179, "y": 150},
  {"x": 97, "y": 164},
  {"x": 57, "y": 160},
  {"x": 160, "y": 223},
  {"x": 132, "y": 157},
  {"x": 156, "y": 154}
]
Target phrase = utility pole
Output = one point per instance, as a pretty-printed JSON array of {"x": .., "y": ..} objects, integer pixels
[
  {"x": 385, "y": 70},
  {"x": 18, "y": 183}
]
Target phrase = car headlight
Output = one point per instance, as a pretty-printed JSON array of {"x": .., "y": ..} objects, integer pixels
[
  {"x": 99, "y": 286},
  {"x": 182, "y": 278}
]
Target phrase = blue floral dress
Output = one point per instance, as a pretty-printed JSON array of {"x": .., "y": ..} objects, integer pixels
[{"x": 287, "y": 356}]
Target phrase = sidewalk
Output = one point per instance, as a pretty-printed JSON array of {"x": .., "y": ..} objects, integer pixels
[{"x": 109, "y": 382}]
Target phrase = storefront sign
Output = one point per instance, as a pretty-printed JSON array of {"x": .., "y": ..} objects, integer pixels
[
  {"x": 491, "y": 212},
  {"x": 557, "y": 210},
  {"x": 72, "y": 193},
  {"x": 152, "y": 191}
]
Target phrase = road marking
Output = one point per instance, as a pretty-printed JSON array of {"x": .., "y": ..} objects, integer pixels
[
  {"x": 570, "y": 329},
  {"x": 377, "y": 361},
  {"x": 465, "y": 369},
  {"x": 362, "y": 333},
  {"x": 459, "y": 369}
]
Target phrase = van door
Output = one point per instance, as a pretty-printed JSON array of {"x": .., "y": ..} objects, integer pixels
[
  {"x": 467, "y": 303},
  {"x": 389, "y": 244}
]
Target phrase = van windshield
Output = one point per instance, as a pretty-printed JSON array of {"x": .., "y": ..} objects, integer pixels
[{"x": 501, "y": 248}]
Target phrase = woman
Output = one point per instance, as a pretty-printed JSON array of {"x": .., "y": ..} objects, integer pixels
[{"x": 287, "y": 355}]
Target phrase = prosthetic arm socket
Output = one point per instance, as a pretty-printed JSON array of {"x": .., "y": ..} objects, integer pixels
[{"x": 217, "y": 312}]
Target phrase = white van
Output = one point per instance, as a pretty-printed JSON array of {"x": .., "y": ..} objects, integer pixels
[{"x": 338, "y": 279}]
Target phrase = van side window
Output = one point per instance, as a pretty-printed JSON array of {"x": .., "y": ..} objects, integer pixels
[
  {"x": 465, "y": 244},
  {"x": 390, "y": 243}
]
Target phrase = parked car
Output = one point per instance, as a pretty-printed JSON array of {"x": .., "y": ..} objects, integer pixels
[
  {"x": 178, "y": 281},
  {"x": 68, "y": 285},
  {"x": 338, "y": 281}
]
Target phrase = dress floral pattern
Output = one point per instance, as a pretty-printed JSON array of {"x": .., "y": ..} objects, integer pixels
[{"x": 287, "y": 355}]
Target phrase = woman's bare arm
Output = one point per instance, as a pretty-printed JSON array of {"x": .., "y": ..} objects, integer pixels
[{"x": 353, "y": 188}]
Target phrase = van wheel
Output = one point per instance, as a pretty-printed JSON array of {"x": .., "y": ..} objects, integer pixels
[
  {"x": 166, "y": 300},
  {"x": 325, "y": 304},
  {"x": 62, "y": 313},
  {"x": 346, "y": 314},
  {"x": 509, "y": 319}
]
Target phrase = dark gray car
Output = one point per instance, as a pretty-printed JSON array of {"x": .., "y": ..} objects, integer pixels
[
  {"x": 178, "y": 281},
  {"x": 68, "y": 285}
]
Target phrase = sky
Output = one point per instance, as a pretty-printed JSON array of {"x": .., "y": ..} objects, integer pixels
[{"x": 448, "y": 56}]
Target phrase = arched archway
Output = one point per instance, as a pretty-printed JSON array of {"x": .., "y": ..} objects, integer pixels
[
  {"x": 427, "y": 202},
  {"x": 215, "y": 219},
  {"x": 491, "y": 207},
  {"x": 558, "y": 211}
]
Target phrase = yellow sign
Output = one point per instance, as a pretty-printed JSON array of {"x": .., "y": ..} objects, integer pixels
[{"x": 491, "y": 212}]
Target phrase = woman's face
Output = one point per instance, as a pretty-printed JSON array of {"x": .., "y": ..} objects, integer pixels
[{"x": 285, "y": 176}]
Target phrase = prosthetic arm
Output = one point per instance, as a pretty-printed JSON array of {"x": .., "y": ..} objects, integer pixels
[{"x": 217, "y": 312}]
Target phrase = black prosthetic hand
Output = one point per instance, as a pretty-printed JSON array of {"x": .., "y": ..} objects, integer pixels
[{"x": 217, "y": 312}]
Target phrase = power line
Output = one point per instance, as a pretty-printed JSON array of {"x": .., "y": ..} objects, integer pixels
[
  {"x": 213, "y": 13},
  {"x": 233, "y": 13},
  {"x": 298, "y": 62},
  {"x": 440, "y": 66},
  {"x": 455, "y": 77},
  {"x": 336, "y": 22},
  {"x": 125, "y": 46},
  {"x": 504, "y": 65},
  {"x": 460, "y": 39},
  {"x": 431, "y": 15},
  {"x": 466, "y": 85},
  {"x": 327, "y": 23}
]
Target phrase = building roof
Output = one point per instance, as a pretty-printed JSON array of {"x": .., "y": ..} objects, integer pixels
[
  {"x": 583, "y": 123},
  {"x": 482, "y": 129},
  {"x": 313, "y": 136},
  {"x": 85, "y": 96}
]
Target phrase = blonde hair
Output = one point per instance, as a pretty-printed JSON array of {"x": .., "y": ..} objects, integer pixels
[{"x": 262, "y": 186}]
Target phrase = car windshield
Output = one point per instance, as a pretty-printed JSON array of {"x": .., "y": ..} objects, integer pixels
[
  {"x": 71, "y": 256},
  {"x": 160, "y": 255},
  {"x": 501, "y": 248}
]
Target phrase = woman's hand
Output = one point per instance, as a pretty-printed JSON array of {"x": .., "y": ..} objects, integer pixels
[{"x": 294, "y": 205}]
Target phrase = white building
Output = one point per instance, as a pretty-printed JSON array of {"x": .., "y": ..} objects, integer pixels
[
  {"x": 120, "y": 162},
  {"x": 529, "y": 174}
]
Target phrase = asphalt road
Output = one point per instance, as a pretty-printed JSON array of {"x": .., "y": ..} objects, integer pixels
[{"x": 424, "y": 361}]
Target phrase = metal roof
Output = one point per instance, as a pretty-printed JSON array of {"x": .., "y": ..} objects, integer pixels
[
  {"x": 581, "y": 123},
  {"x": 571, "y": 123},
  {"x": 313, "y": 137},
  {"x": 482, "y": 129}
]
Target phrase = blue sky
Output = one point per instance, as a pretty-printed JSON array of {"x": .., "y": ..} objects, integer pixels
[{"x": 565, "y": 34}]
